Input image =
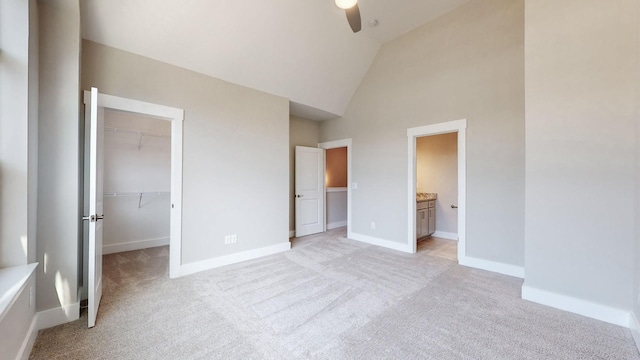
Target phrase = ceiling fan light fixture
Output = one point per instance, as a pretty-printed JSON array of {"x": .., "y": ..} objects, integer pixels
[{"x": 346, "y": 4}]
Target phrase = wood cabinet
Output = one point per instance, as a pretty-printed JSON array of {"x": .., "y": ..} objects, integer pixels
[
  {"x": 432, "y": 220},
  {"x": 425, "y": 218},
  {"x": 422, "y": 223}
]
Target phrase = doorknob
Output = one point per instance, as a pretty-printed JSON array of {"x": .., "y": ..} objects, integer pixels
[
  {"x": 299, "y": 196},
  {"x": 454, "y": 206}
]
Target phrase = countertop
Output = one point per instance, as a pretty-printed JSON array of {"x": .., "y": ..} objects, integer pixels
[{"x": 420, "y": 197}]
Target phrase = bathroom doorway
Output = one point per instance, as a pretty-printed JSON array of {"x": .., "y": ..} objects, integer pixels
[{"x": 414, "y": 134}]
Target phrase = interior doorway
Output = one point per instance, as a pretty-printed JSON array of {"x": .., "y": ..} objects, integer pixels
[
  {"x": 437, "y": 194},
  {"x": 336, "y": 187},
  {"x": 338, "y": 179},
  {"x": 137, "y": 182},
  {"x": 459, "y": 128},
  {"x": 96, "y": 105}
]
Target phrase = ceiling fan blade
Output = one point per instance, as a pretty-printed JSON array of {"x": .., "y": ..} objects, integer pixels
[{"x": 353, "y": 16}]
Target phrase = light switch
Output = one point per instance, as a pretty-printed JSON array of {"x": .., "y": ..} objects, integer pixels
[{"x": 354, "y": 185}]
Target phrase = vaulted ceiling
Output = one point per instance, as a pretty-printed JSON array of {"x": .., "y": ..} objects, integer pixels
[{"x": 303, "y": 50}]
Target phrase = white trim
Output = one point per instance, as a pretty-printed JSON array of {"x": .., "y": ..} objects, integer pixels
[
  {"x": 577, "y": 306},
  {"x": 292, "y": 234},
  {"x": 634, "y": 326},
  {"x": 445, "y": 235},
  {"x": 29, "y": 340},
  {"x": 348, "y": 143},
  {"x": 134, "y": 245},
  {"x": 337, "y": 189},
  {"x": 459, "y": 126},
  {"x": 337, "y": 224},
  {"x": 136, "y": 106},
  {"x": 58, "y": 316},
  {"x": 176, "y": 116},
  {"x": 13, "y": 280},
  {"x": 501, "y": 268},
  {"x": 380, "y": 242},
  {"x": 208, "y": 264}
]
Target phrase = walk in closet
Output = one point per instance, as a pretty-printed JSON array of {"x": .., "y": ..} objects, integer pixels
[{"x": 137, "y": 178}]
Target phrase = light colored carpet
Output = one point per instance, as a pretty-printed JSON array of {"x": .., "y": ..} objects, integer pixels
[{"x": 327, "y": 298}]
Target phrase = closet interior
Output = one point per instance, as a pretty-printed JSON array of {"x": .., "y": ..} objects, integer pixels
[{"x": 137, "y": 182}]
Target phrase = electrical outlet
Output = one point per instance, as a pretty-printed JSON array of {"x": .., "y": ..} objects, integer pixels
[
  {"x": 30, "y": 297},
  {"x": 373, "y": 225},
  {"x": 234, "y": 239},
  {"x": 227, "y": 239}
]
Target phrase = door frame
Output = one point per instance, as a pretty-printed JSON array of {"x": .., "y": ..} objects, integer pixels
[
  {"x": 456, "y": 126},
  {"x": 340, "y": 144},
  {"x": 176, "y": 116}
]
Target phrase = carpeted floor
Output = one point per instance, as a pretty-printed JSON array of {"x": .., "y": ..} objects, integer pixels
[{"x": 327, "y": 298}]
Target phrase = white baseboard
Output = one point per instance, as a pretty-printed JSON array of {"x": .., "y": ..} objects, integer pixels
[
  {"x": 208, "y": 264},
  {"x": 380, "y": 242},
  {"x": 501, "y": 268},
  {"x": 57, "y": 316},
  {"x": 577, "y": 306},
  {"x": 134, "y": 245},
  {"x": 335, "y": 225},
  {"x": 634, "y": 326},
  {"x": 29, "y": 340},
  {"x": 445, "y": 235},
  {"x": 292, "y": 233}
]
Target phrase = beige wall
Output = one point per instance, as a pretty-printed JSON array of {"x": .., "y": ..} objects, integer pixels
[
  {"x": 336, "y": 168},
  {"x": 467, "y": 64},
  {"x": 14, "y": 131},
  {"x": 437, "y": 172},
  {"x": 235, "y": 149},
  {"x": 302, "y": 132},
  {"x": 18, "y": 163},
  {"x": 582, "y": 71}
]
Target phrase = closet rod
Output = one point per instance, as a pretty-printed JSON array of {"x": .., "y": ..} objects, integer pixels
[{"x": 136, "y": 132}]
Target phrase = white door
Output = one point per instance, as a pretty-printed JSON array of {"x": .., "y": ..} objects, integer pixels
[
  {"x": 95, "y": 126},
  {"x": 309, "y": 190}
]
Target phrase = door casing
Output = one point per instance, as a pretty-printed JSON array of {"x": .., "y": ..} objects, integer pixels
[{"x": 459, "y": 126}]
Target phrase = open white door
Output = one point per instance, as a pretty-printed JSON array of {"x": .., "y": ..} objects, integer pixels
[
  {"x": 309, "y": 190},
  {"x": 95, "y": 126}
]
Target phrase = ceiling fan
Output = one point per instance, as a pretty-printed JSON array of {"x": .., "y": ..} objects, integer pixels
[{"x": 353, "y": 13}]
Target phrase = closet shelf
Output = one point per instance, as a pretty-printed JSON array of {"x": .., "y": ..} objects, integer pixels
[
  {"x": 136, "y": 132},
  {"x": 138, "y": 194}
]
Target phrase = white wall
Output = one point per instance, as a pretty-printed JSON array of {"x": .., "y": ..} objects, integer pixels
[
  {"x": 128, "y": 169},
  {"x": 235, "y": 156},
  {"x": 59, "y": 156},
  {"x": 437, "y": 172},
  {"x": 302, "y": 132},
  {"x": 582, "y": 71},
  {"x": 467, "y": 64}
]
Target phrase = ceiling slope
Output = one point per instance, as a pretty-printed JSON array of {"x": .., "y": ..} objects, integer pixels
[{"x": 302, "y": 50}]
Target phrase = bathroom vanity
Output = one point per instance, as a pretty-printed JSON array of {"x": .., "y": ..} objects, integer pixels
[{"x": 425, "y": 214}]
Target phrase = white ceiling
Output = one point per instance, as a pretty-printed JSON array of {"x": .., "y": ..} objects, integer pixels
[{"x": 303, "y": 50}]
